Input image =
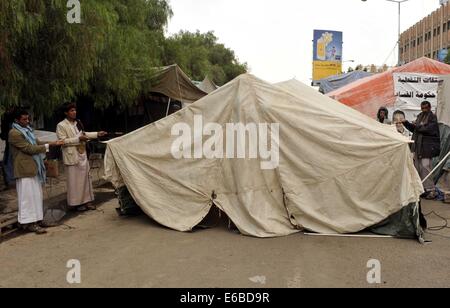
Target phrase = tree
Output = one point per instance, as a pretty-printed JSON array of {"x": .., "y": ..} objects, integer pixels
[
  {"x": 447, "y": 59},
  {"x": 200, "y": 55},
  {"x": 109, "y": 57},
  {"x": 45, "y": 61}
]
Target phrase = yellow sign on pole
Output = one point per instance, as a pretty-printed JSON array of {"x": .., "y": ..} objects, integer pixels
[
  {"x": 327, "y": 54},
  {"x": 324, "y": 69}
]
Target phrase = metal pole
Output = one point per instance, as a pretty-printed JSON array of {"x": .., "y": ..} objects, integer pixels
[
  {"x": 399, "y": 2},
  {"x": 168, "y": 107},
  {"x": 444, "y": 160},
  {"x": 399, "y": 31}
]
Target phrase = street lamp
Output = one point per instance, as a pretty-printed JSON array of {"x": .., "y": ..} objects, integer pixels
[{"x": 399, "y": 24}]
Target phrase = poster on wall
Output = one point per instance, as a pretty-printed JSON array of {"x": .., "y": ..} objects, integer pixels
[{"x": 412, "y": 89}]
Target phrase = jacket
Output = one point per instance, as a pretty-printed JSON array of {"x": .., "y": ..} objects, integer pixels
[
  {"x": 427, "y": 140},
  {"x": 65, "y": 132},
  {"x": 22, "y": 153}
]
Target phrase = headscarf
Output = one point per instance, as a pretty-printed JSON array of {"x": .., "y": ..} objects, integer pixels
[{"x": 27, "y": 132}]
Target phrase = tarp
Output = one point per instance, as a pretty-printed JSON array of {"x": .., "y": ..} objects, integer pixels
[
  {"x": 207, "y": 85},
  {"x": 172, "y": 82},
  {"x": 335, "y": 82},
  {"x": 338, "y": 172},
  {"x": 443, "y": 110},
  {"x": 443, "y": 114},
  {"x": 369, "y": 94}
]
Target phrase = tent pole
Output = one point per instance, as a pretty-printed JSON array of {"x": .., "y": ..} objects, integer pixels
[
  {"x": 349, "y": 235},
  {"x": 168, "y": 107},
  {"x": 437, "y": 167}
]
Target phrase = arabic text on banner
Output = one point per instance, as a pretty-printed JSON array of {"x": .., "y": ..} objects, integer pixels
[{"x": 412, "y": 89}]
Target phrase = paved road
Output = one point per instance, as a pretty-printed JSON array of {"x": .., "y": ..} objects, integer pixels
[{"x": 136, "y": 252}]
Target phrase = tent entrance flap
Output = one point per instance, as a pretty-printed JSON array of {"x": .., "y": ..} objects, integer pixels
[{"x": 407, "y": 223}]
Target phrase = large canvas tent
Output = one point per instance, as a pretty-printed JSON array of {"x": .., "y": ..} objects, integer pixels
[
  {"x": 174, "y": 83},
  {"x": 207, "y": 85},
  {"x": 443, "y": 114},
  {"x": 335, "y": 82},
  {"x": 369, "y": 94},
  {"x": 338, "y": 171}
]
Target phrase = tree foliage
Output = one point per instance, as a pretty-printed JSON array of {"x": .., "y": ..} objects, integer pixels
[
  {"x": 46, "y": 61},
  {"x": 200, "y": 55},
  {"x": 447, "y": 59}
]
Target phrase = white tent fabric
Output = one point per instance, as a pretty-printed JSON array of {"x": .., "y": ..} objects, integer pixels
[
  {"x": 443, "y": 110},
  {"x": 339, "y": 171},
  {"x": 207, "y": 85}
]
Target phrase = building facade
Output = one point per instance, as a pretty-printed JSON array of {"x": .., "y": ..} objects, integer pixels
[{"x": 428, "y": 37}]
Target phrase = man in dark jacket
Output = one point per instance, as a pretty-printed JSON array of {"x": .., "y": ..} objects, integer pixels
[{"x": 427, "y": 145}]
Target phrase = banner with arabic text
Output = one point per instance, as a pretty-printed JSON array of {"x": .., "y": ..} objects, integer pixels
[{"x": 412, "y": 89}]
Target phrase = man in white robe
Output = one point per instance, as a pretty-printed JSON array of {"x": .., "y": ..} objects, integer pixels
[
  {"x": 80, "y": 194},
  {"x": 29, "y": 171}
]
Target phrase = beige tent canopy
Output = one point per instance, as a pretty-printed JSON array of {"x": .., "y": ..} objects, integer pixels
[
  {"x": 443, "y": 110},
  {"x": 174, "y": 83},
  {"x": 338, "y": 171},
  {"x": 443, "y": 114},
  {"x": 207, "y": 85}
]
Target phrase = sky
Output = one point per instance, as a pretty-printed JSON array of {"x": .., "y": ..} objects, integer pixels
[{"x": 275, "y": 37}]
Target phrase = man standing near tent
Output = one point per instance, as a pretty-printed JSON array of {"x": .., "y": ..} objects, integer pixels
[
  {"x": 398, "y": 118},
  {"x": 7, "y": 122},
  {"x": 383, "y": 116},
  {"x": 427, "y": 145},
  {"x": 79, "y": 187},
  {"x": 29, "y": 171}
]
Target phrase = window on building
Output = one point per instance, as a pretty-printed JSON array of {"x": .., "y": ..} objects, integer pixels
[
  {"x": 448, "y": 25},
  {"x": 444, "y": 27},
  {"x": 439, "y": 30},
  {"x": 434, "y": 32}
]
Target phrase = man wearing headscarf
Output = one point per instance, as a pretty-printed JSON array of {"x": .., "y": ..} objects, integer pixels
[
  {"x": 29, "y": 170},
  {"x": 427, "y": 145}
]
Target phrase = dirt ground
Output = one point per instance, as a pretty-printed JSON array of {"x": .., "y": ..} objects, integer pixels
[{"x": 136, "y": 252}]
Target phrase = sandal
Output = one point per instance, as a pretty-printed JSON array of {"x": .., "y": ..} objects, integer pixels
[
  {"x": 91, "y": 207},
  {"x": 36, "y": 229},
  {"x": 82, "y": 208},
  {"x": 431, "y": 196}
]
